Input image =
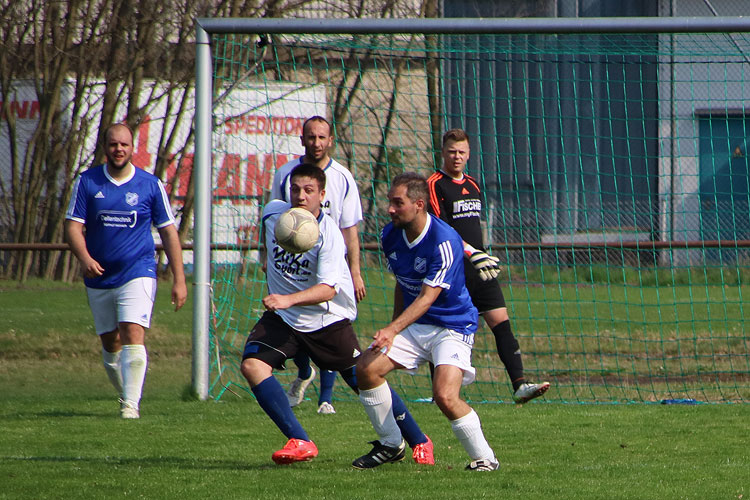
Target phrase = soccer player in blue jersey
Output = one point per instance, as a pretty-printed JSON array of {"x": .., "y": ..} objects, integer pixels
[
  {"x": 433, "y": 321},
  {"x": 108, "y": 227},
  {"x": 310, "y": 307}
]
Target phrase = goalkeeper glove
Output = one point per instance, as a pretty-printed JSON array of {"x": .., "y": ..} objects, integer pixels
[{"x": 485, "y": 264}]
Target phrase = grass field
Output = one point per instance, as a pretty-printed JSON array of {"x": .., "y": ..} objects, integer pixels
[
  {"x": 60, "y": 436},
  {"x": 630, "y": 336}
]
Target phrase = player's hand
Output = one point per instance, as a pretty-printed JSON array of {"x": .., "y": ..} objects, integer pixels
[
  {"x": 276, "y": 301},
  {"x": 485, "y": 264},
  {"x": 359, "y": 287},
  {"x": 92, "y": 269},
  {"x": 383, "y": 340},
  {"x": 179, "y": 294}
]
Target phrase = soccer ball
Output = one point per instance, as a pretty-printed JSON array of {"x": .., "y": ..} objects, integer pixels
[{"x": 296, "y": 230}]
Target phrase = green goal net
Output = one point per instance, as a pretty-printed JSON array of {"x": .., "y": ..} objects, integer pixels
[{"x": 614, "y": 171}]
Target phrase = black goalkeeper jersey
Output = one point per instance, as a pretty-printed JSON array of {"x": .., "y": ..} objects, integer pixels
[{"x": 459, "y": 203}]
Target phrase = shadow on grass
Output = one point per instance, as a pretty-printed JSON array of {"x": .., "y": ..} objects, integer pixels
[
  {"x": 140, "y": 462},
  {"x": 57, "y": 414}
]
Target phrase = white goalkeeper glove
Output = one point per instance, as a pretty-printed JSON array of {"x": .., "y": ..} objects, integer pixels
[{"x": 485, "y": 264}]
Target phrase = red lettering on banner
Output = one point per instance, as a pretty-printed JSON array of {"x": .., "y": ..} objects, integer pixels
[
  {"x": 247, "y": 233},
  {"x": 181, "y": 178},
  {"x": 20, "y": 110},
  {"x": 259, "y": 179},
  {"x": 264, "y": 125},
  {"x": 251, "y": 181},
  {"x": 141, "y": 156},
  {"x": 228, "y": 182}
]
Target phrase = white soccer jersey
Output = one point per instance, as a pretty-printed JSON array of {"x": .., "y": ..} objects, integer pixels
[
  {"x": 324, "y": 263},
  {"x": 341, "y": 200}
]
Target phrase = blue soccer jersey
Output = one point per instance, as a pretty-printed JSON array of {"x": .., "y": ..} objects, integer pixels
[
  {"x": 118, "y": 216},
  {"x": 435, "y": 258}
]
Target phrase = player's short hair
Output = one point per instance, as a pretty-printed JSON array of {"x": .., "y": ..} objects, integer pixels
[
  {"x": 309, "y": 170},
  {"x": 455, "y": 135},
  {"x": 105, "y": 136},
  {"x": 317, "y": 118},
  {"x": 416, "y": 185}
]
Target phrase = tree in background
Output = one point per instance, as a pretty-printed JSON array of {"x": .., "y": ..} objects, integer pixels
[{"x": 87, "y": 59}]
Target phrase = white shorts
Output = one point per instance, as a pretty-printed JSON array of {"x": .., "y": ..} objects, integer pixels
[
  {"x": 418, "y": 344},
  {"x": 133, "y": 302}
]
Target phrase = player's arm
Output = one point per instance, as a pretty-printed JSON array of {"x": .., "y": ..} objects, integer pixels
[
  {"x": 398, "y": 302},
  {"x": 351, "y": 239},
  {"x": 313, "y": 295},
  {"x": 74, "y": 234},
  {"x": 383, "y": 338},
  {"x": 172, "y": 247}
]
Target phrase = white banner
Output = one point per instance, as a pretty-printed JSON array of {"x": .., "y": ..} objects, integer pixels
[{"x": 256, "y": 129}]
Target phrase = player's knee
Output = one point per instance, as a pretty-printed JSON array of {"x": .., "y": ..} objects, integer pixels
[
  {"x": 445, "y": 398},
  {"x": 496, "y": 316},
  {"x": 111, "y": 341},
  {"x": 132, "y": 333},
  {"x": 367, "y": 373},
  {"x": 255, "y": 371}
]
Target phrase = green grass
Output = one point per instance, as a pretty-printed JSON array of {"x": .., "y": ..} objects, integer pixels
[
  {"x": 60, "y": 436},
  {"x": 641, "y": 334}
]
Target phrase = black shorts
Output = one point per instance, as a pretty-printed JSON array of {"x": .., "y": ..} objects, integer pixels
[
  {"x": 334, "y": 347},
  {"x": 485, "y": 295}
]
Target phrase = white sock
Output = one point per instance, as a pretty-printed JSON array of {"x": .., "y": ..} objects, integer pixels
[
  {"x": 111, "y": 361},
  {"x": 133, "y": 362},
  {"x": 468, "y": 430},
  {"x": 379, "y": 407}
]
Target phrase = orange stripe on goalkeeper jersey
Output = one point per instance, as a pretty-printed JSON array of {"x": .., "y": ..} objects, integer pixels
[{"x": 433, "y": 195}]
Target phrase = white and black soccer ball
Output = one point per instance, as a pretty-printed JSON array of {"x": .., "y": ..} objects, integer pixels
[{"x": 296, "y": 230}]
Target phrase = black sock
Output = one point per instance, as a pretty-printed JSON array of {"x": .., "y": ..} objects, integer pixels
[{"x": 510, "y": 352}]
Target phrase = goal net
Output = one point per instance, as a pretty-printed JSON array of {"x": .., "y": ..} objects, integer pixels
[{"x": 614, "y": 172}]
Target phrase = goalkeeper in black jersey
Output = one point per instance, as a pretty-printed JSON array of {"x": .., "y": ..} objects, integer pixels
[{"x": 455, "y": 198}]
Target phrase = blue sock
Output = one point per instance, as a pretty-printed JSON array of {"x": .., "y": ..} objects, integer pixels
[
  {"x": 302, "y": 361},
  {"x": 272, "y": 399},
  {"x": 409, "y": 428},
  {"x": 350, "y": 378},
  {"x": 327, "y": 378}
]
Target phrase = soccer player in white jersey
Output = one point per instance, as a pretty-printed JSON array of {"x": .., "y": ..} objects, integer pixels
[
  {"x": 433, "y": 321},
  {"x": 310, "y": 307},
  {"x": 342, "y": 204},
  {"x": 108, "y": 227}
]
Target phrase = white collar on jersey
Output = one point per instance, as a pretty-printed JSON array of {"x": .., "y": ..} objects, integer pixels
[
  {"x": 123, "y": 181},
  {"x": 421, "y": 236}
]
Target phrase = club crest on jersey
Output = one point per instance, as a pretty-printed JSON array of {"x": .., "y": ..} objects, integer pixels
[
  {"x": 131, "y": 199},
  {"x": 420, "y": 264}
]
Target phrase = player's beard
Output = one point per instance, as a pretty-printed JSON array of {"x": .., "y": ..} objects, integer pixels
[
  {"x": 399, "y": 223},
  {"x": 124, "y": 162},
  {"x": 315, "y": 157}
]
